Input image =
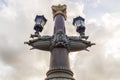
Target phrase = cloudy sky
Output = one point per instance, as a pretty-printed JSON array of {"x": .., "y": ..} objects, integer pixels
[{"x": 17, "y": 62}]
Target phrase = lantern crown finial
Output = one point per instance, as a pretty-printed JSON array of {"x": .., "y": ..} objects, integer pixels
[
  {"x": 40, "y": 17},
  {"x": 78, "y": 18}
]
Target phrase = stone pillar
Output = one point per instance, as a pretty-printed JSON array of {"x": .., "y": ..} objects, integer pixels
[
  {"x": 59, "y": 24},
  {"x": 59, "y": 60}
]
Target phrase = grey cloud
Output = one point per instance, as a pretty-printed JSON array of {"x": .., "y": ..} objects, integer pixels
[
  {"x": 26, "y": 64},
  {"x": 95, "y": 64}
]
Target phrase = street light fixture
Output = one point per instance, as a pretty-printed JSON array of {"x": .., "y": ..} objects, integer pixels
[
  {"x": 59, "y": 44},
  {"x": 40, "y": 21},
  {"x": 80, "y": 26}
]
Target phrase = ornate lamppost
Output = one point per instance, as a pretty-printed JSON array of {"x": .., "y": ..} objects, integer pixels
[{"x": 60, "y": 45}]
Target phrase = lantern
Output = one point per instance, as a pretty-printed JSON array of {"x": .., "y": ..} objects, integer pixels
[
  {"x": 40, "y": 21},
  {"x": 78, "y": 22}
]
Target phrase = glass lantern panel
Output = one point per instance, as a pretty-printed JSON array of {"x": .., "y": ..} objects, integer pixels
[
  {"x": 77, "y": 23},
  {"x": 38, "y": 21},
  {"x": 82, "y": 23},
  {"x": 42, "y": 23}
]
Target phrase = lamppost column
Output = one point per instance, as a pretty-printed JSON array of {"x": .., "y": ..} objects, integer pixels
[
  {"x": 59, "y": 60},
  {"x": 59, "y": 24}
]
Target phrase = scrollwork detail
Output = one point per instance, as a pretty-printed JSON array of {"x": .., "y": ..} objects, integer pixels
[{"x": 60, "y": 40}]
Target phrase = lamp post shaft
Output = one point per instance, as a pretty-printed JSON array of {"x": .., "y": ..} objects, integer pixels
[
  {"x": 59, "y": 60},
  {"x": 59, "y": 56},
  {"x": 59, "y": 24}
]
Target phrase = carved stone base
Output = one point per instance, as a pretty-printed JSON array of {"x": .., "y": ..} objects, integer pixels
[
  {"x": 60, "y": 79},
  {"x": 60, "y": 74}
]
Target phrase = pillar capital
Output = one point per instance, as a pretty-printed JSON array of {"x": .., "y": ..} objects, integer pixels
[{"x": 59, "y": 9}]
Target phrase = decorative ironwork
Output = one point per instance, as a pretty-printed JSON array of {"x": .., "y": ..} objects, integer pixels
[{"x": 60, "y": 40}]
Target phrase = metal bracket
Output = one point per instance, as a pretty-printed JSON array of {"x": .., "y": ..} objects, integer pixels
[{"x": 59, "y": 40}]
